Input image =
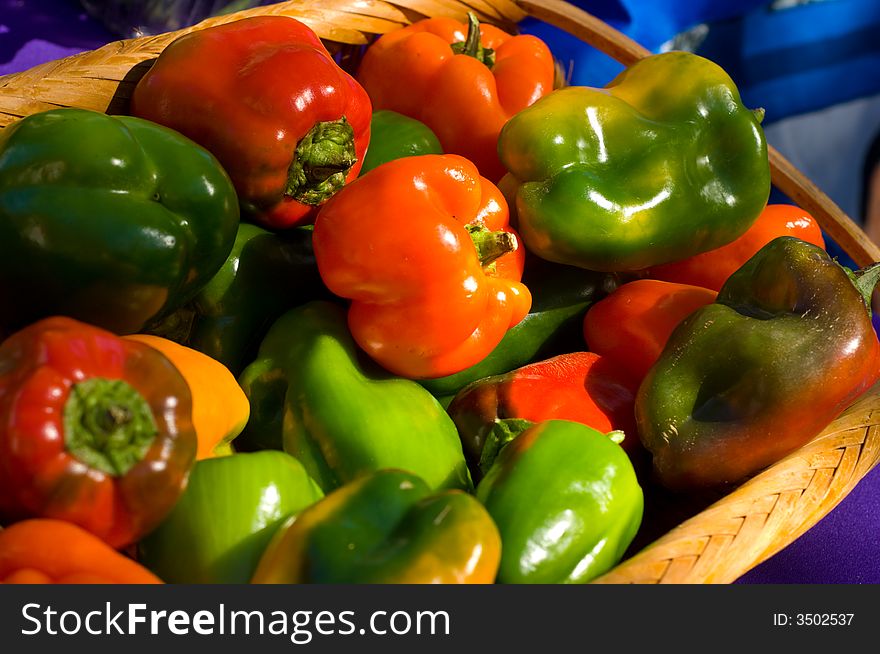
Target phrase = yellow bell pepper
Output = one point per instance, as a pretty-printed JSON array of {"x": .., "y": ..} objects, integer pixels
[{"x": 220, "y": 407}]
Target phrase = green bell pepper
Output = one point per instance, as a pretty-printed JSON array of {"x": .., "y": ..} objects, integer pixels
[
  {"x": 561, "y": 296},
  {"x": 264, "y": 275},
  {"x": 112, "y": 220},
  {"x": 313, "y": 392},
  {"x": 787, "y": 346},
  {"x": 385, "y": 527},
  {"x": 662, "y": 164},
  {"x": 566, "y": 500},
  {"x": 230, "y": 510},
  {"x": 394, "y": 136}
]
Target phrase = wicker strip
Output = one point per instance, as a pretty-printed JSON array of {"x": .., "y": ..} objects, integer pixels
[{"x": 716, "y": 545}]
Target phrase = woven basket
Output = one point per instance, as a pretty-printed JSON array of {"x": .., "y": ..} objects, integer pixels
[{"x": 699, "y": 540}]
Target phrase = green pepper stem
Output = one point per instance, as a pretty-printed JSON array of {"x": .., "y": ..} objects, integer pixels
[
  {"x": 322, "y": 160},
  {"x": 502, "y": 432},
  {"x": 759, "y": 114},
  {"x": 472, "y": 46},
  {"x": 108, "y": 425},
  {"x": 491, "y": 245},
  {"x": 865, "y": 281},
  {"x": 176, "y": 326}
]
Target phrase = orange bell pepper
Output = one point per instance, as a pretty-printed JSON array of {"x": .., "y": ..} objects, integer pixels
[
  {"x": 464, "y": 98},
  {"x": 423, "y": 248},
  {"x": 43, "y": 551},
  {"x": 711, "y": 269},
  {"x": 220, "y": 409},
  {"x": 631, "y": 326}
]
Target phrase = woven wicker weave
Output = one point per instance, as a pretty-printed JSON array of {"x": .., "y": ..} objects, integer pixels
[{"x": 717, "y": 544}]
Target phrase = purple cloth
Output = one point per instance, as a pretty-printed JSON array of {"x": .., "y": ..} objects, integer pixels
[
  {"x": 843, "y": 548},
  {"x": 36, "y": 31}
]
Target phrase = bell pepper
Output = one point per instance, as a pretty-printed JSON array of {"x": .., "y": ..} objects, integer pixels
[
  {"x": 385, "y": 527},
  {"x": 580, "y": 386},
  {"x": 711, "y": 269},
  {"x": 394, "y": 136},
  {"x": 220, "y": 409},
  {"x": 96, "y": 430},
  {"x": 560, "y": 297},
  {"x": 423, "y": 248},
  {"x": 265, "y": 275},
  {"x": 43, "y": 551},
  {"x": 462, "y": 81},
  {"x": 663, "y": 163},
  {"x": 340, "y": 416},
  {"x": 746, "y": 380},
  {"x": 224, "y": 520},
  {"x": 268, "y": 100},
  {"x": 631, "y": 325},
  {"x": 108, "y": 219},
  {"x": 566, "y": 501}
]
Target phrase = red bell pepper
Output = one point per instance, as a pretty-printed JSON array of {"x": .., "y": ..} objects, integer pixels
[
  {"x": 94, "y": 430},
  {"x": 711, "y": 269},
  {"x": 580, "y": 386},
  {"x": 423, "y": 248},
  {"x": 267, "y": 99},
  {"x": 631, "y": 325}
]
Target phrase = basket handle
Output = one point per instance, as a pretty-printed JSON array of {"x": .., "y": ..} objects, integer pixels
[{"x": 783, "y": 174}]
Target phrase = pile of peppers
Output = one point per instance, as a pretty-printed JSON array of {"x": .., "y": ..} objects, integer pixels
[{"x": 429, "y": 318}]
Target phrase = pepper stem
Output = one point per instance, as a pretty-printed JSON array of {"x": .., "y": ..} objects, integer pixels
[
  {"x": 759, "y": 114},
  {"x": 617, "y": 436},
  {"x": 176, "y": 326},
  {"x": 503, "y": 431},
  {"x": 108, "y": 425},
  {"x": 321, "y": 162},
  {"x": 865, "y": 281},
  {"x": 490, "y": 245},
  {"x": 472, "y": 45}
]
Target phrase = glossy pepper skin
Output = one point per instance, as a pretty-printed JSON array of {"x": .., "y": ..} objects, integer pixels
[
  {"x": 711, "y": 269},
  {"x": 108, "y": 219},
  {"x": 43, "y": 551},
  {"x": 560, "y": 297},
  {"x": 264, "y": 275},
  {"x": 224, "y": 520},
  {"x": 663, "y": 163},
  {"x": 464, "y": 98},
  {"x": 394, "y": 136},
  {"x": 579, "y": 386},
  {"x": 426, "y": 302},
  {"x": 386, "y": 527},
  {"x": 267, "y": 99},
  {"x": 342, "y": 416},
  {"x": 566, "y": 501},
  {"x": 750, "y": 378},
  {"x": 632, "y": 325},
  {"x": 96, "y": 430}
]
